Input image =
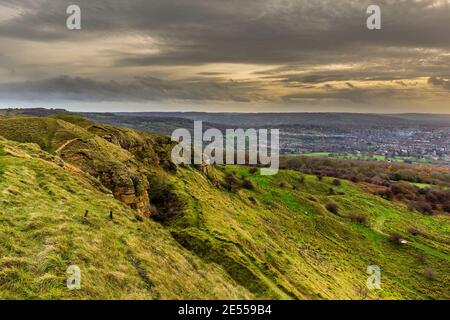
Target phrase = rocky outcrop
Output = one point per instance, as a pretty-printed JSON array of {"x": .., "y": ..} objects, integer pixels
[
  {"x": 121, "y": 174},
  {"x": 118, "y": 158},
  {"x": 149, "y": 149}
]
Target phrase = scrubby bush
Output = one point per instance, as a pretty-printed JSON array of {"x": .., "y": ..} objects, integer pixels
[
  {"x": 422, "y": 207},
  {"x": 252, "y": 200},
  {"x": 359, "y": 219},
  {"x": 446, "y": 207},
  {"x": 253, "y": 170},
  {"x": 414, "y": 231},
  {"x": 387, "y": 194},
  {"x": 337, "y": 182},
  {"x": 232, "y": 183},
  {"x": 396, "y": 177},
  {"x": 396, "y": 238},
  {"x": 430, "y": 274},
  {"x": 332, "y": 207},
  {"x": 248, "y": 184}
]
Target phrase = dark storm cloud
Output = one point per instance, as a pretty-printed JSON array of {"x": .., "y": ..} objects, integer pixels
[
  {"x": 139, "y": 89},
  {"x": 198, "y": 31},
  {"x": 297, "y": 41},
  {"x": 344, "y": 75}
]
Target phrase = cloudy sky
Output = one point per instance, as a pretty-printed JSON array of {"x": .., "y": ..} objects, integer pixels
[{"x": 226, "y": 55}]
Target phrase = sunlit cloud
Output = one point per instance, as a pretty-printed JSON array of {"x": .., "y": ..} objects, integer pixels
[{"x": 257, "y": 55}]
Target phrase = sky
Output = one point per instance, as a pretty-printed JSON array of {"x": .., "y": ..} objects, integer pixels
[{"x": 233, "y": 55}]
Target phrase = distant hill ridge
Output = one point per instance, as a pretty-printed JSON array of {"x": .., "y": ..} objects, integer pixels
[{"x": 260, "y": 119}]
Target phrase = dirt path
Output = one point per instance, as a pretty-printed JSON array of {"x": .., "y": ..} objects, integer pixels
[{"x": 65, "y": 144}]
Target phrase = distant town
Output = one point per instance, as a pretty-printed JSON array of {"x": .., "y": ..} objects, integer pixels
[{"x": 414, "y": 144}]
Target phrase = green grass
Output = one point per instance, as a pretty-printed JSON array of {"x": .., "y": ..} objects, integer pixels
[
  {"x": 422, "y": 185},
  {"x": 276, "y": 241},
  {"x": 365, "y": 157},
  {"x": 48, "y": 133},
  {"x": 74, "y": 119},
  {"x": 43, "y": 231},
  {"x": 307, "y": 252}
]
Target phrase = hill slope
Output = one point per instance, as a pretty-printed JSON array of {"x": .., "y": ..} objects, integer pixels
[
  {"x": 43, "y": 231},
  {"x": 283, "y": 243},
  {"x": 274, "y": 238}
]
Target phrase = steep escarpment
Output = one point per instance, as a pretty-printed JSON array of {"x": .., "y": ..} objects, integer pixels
[
  {"x": 276, "y": 236},
  {"x": 44, "y": 229},
  {"x": 119, "y": 158},
  {"x": 226, "y": 232}
]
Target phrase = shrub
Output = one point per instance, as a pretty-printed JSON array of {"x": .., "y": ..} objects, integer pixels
[
  {"x": 248, "y": 184},
  {"x": 388, "y": 195},
  {"x": 253, "y": 170},
  {"x": 415, "y": 232},
  {"x": 396, "y": 238},
  {"x": 319, "y": 177},
  {"x": 359, "y": 219},
  {"x": 282, "y": 184},
  {"x": 301, "y": 179},
  {"x": 252, "y": 200},
  {"x": 446, "y": 207},
  {"x": 231, "y": 182},
  {"x": 332, "y": 207},
  {"x": 430, "y": 274},
  {"x": 337, "y": 182},
  {"x": 422, "y": 207}
]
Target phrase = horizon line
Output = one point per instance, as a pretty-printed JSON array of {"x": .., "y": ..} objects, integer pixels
[{"x": 234, "y": 112}]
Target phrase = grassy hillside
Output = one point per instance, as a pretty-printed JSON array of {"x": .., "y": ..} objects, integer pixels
[
  {"x": 43, "y": 231},
  {"x": 283, "y": 242},
  {"x": 48, "y": 133},
  {"x": 228, "y": 233}
]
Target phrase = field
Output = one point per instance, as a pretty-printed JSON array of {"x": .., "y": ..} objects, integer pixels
[{"x": 367, "y": 157}]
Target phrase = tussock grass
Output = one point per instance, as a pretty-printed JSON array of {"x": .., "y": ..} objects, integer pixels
[
  {"x": 230, "y": 233},
  {"x": 294, "y": 248},
  {"x": 43, "y": 231}
]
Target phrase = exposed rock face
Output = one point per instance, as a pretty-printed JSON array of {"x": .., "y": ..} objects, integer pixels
[
  {"x": 130, "y": 189},
  {"x": 122, "y": 174},
  {"x": 117, "y": 158}
]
